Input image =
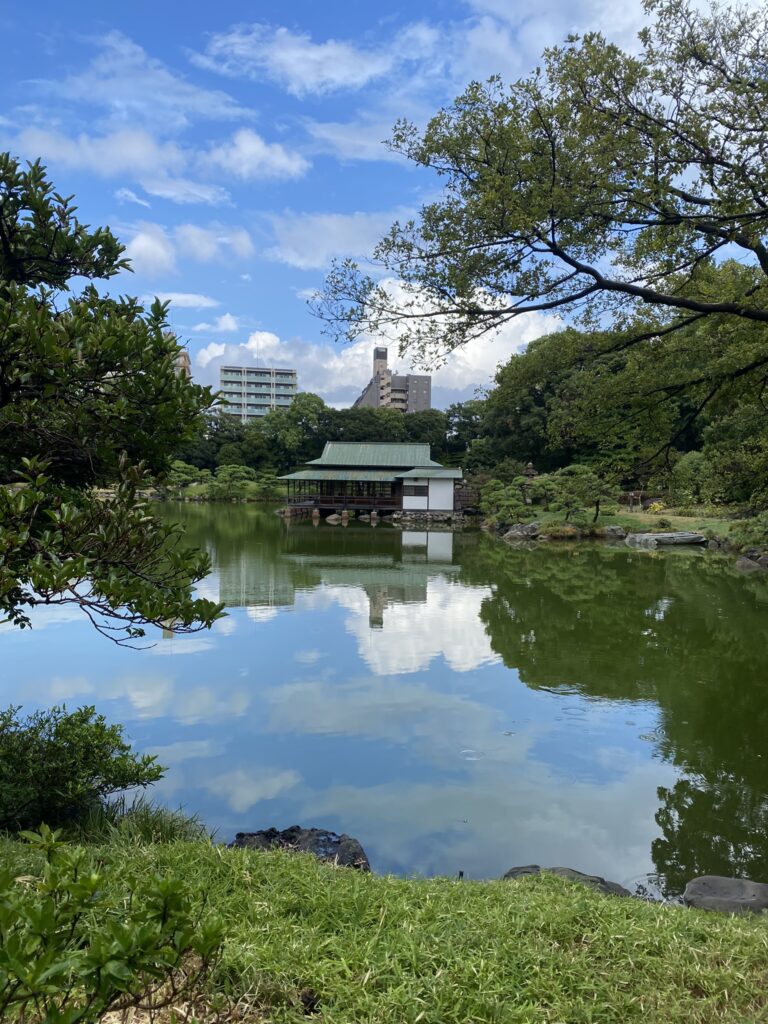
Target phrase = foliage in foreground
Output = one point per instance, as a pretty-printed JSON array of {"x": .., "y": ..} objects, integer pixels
[
  {"x": 88, "y": 398},
  {"x": 396, "y": 951},
  {"x": 57, "y": 766},
  {"x": 75, "y": 944}
]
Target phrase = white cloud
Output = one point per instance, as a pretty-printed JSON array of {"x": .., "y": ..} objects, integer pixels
[
  {"x": 294, "y": 61},
  {"x": 184, "y": 191},
  {"x": 448, "y": 626},
  {"x": 133, "y": 87},
  {"x": 242, "y": 790},
  {"x": 154, "y": 165},
  {"x": 338, "y": 373},
  {"x": 185, "y": 300},
  {"x": 214, "y": 242},
  {"x": 126, "y": 151},
  {"x": 126, "y": 195},
  {"x": 206, "y": 355},
  {"x": 226, "y": 322},
  {"x": 362, "y": 138},
  {"x": 151, "y": 251},
  {"x": 249, "y": 157},
  {"x": 309, "y": 241}
]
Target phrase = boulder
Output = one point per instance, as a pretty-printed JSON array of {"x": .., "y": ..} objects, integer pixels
[
  {"x": 521, "y": 872},
  {"x": 364, "y": 518},
  {"x": 523, "y": 531},
  {"x": 763, "y": 561},
  {"x": 340, "y": 850},
  {"x": 614, "y": 532},
  {"x": 748, "y": 566},
  {"x": 728, "y": 895},
  {"x": 334, "y": 519},
  {"x": 652, "y": 540},
  {"x": 753, "y": 553},
  {"x": 596, "y": 882}
]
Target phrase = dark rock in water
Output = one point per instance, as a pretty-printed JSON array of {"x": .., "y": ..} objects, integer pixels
[
  {"x": 341, "y": 850},
  {"x": 614, "y": 532},
  {"x": 596, "y": 882},
  {"x": 747, "y": 565},
  {"x": 523, "y": 531},
  {"x": 728, "y": 895}
]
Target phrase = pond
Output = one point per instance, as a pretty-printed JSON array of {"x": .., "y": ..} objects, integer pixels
[{"x": 454, "y": 703}]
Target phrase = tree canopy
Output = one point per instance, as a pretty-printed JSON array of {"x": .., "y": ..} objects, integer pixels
[
  {"x": 604, "y": 184},
  {"x": 89, "y": 398}
]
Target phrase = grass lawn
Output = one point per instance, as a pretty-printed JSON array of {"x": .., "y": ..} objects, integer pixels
[
  {"x": 382, "y": 950},
  {"x": 641, "y": 522}
]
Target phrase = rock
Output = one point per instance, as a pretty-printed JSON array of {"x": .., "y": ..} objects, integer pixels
[
  {"x": 341, "y": 850},
  {"x": 614, "y": 532},
  {"x": 728, "y": 895},
  {"x": 746, "y": 565},
  {"x": 523, "y": 531},
  {"x": 596, "y": 882},
  {"x": 593, "y": 881},
  {"x": 334, "y": 519},
  {"x": 763, "y": 561},
  {"x": 714, "y": 545},
  {"x": 652, "y": 540},
  {"x": 753, "y": 553},
  {"x": 364, "y": 518},
  {"x": 522, "y": 872}
]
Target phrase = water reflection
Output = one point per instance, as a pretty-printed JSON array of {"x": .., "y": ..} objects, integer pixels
[{"x": 456, "y": 703}]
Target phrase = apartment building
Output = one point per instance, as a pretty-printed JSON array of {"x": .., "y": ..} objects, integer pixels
[
  {"x": 409, "y": 392},
  {"x": 253, "y": 391}
]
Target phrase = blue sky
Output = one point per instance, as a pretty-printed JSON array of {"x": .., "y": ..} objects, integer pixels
[{"x": 236, "y": 148}]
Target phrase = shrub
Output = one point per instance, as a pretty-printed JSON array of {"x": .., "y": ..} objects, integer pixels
[
  {"x": 56, "y": 766},
  {"x": 664, "y": 523},
  {"x": 74, "y": 947},
  {"x": 750, "y": 533},
  {"x": 656, "y": 507}
]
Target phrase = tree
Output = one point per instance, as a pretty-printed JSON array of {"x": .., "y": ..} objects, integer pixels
[
  {"x": 231, "y": 482},
  {"x": 88, "y": 398},
  {"x": 572, "y": 489},
  {"x": 603, "y": 184}
]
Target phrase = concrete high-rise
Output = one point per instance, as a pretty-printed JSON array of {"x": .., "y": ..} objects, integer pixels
[
  {"x": 409, "y": 392},
  {"x": 252, "y": 391}
]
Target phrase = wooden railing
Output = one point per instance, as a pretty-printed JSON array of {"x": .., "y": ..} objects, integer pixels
[{"x": 344, "y": 501}]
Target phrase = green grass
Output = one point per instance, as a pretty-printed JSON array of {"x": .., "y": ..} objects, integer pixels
[
  {"x": 138, "y": 820},
  {"x": 641, "y": 522},
  {"x": 382, "y": 950}
]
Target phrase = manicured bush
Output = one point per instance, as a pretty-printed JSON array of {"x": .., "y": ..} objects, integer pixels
[
  {"x": 56, "y": 766},
  {"x": 73, "y": 948}
]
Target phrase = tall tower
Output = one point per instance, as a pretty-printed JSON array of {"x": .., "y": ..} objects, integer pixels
[{"x": 379, "y": 360}]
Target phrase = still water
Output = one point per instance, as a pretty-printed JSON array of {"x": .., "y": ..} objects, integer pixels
[{"x": 454, "y": 703}]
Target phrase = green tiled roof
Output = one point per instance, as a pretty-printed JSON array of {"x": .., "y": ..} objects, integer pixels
[
  {"x": 431, "y": 473},
  {"x": 362, "y": 453},
  {"x": 375, "y": 475}
]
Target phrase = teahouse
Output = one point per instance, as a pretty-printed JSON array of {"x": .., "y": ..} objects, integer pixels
[{"x": 360, "y": 476}]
